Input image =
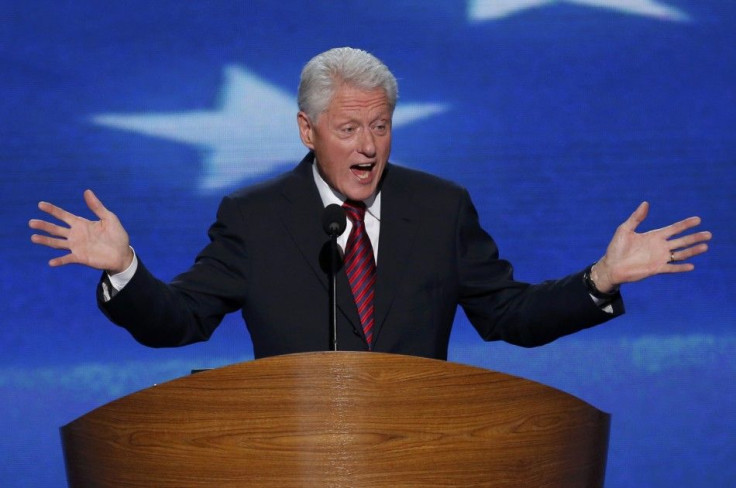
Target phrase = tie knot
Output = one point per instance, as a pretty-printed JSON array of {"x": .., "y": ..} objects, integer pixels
[{"x": 355, "y": 211}]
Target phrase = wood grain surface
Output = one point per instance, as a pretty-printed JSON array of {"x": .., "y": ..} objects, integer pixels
[{"x": 340, "y": 419}]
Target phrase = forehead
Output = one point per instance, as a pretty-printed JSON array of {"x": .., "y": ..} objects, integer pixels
[{"x": 349, "y": 99}]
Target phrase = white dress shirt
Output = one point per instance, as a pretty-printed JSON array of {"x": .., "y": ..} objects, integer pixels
[{"x": 372, "y": 212}]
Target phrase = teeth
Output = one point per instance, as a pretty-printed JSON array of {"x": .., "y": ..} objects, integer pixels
[{"x": 363, "y": 171}]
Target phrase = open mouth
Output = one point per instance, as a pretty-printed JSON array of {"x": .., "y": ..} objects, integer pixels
[{"x": 362, "y": 171}]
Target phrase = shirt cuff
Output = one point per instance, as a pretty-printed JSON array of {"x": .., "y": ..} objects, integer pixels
[
  {"x": 604, "y": 305},
  {"x": 119, "y": 280}
]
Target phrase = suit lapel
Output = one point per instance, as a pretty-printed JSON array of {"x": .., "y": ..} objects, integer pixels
[
  {"x": 302, "y": 217},
  {"x": 399, "y": 224}
]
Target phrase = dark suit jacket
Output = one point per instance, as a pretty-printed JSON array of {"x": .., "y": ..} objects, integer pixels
[{"x": 264, "y": 259}]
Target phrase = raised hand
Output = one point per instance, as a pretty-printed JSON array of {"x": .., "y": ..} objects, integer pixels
[
  {"x": 633, "y": 256},
  {"x": 101, "y": 244}
]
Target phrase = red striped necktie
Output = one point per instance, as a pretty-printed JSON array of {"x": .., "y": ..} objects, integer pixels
[{"x": 360, "y": 267}]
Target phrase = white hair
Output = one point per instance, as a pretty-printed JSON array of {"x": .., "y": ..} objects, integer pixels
[{"x": 324, "y": 73}]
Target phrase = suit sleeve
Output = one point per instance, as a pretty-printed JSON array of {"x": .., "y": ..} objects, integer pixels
[
  {"x": 191, "y": 307},
  {"x": 501, "y": 308}
]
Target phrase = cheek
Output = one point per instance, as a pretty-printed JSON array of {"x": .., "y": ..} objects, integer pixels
[
  {"x": 339, "y": 147},
  {"x": 386, "y": 144}
]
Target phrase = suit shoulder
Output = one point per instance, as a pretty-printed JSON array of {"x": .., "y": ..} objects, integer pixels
[
  {"x": 294, "y": 183},
  {"x": 423, "y": 182},
  {"x": 259, "y": 190}
]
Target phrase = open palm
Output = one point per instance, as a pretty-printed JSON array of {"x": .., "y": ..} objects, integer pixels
[
  {"x": 101, "y": 244},
  {"x": 633, "y": 256}
]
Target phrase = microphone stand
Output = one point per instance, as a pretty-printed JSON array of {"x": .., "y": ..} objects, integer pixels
[
  {"x": 333, "y": 223},
  {"x": 333, "y": 291}
]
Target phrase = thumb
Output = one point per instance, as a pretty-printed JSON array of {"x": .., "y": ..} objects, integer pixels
[
  {"x": 637, "y": 217},
  {"x": 95, "y": 205}
]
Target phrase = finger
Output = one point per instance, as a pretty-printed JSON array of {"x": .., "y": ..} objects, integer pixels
[
  {"x": 56, "y": 212},
  {"x": 95, "y": 204},
  {"x": 48, "y": 227},
  {"x": 62, "y": 260},
  {"x": 689, "y": 240},
  {"x": 50, "y": 241},
  {"x": 681, "y": 226},
  {"x": 637, "y": 217},
  {"x": 690, "y": 252},
  {"x": 679, "y": 268}
]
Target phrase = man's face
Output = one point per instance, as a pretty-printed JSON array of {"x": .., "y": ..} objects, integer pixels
[{"x": 351, "y": 140}]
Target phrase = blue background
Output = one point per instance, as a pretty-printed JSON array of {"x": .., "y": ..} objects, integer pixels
[{"x": 559, "y": 119}]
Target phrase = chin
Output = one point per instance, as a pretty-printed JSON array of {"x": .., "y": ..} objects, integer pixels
[{"x": 359, "y": 196}]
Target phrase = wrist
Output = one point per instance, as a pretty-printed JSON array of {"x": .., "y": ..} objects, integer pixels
[
  {"x": 125, "y": 263},
  {"x": 597, "y": 284}
]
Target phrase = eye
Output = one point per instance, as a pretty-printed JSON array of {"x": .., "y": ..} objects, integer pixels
[{"x": 380, "y": 127}]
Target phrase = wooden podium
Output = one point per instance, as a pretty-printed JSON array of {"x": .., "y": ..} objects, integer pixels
[{"x": 340, "y": 419}]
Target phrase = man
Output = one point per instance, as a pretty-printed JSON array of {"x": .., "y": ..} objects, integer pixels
[{"x": 422, "y": 251}]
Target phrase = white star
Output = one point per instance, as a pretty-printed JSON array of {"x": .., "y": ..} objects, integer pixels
[
  {"x": 479, "y": 10},
  {"x": 252, "y": 132}
]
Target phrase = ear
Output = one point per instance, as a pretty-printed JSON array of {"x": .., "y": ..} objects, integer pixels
[{"x": 306, "y": 131}]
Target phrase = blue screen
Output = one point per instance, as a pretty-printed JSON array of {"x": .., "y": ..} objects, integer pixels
[{"x": 559, "y": 117}]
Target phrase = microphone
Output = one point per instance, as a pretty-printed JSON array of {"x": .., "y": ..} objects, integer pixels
[{"x": 334, "y": 222}]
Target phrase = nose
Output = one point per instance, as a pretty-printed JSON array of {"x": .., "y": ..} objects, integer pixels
[{"x": 367, "y": 143}]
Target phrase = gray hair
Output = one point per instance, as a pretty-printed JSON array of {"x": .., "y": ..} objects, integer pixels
[{"x": 324, "y": 73}]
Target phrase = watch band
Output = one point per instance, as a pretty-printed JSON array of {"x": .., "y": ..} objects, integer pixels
[{"x": 592, "y": 288}]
